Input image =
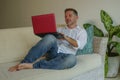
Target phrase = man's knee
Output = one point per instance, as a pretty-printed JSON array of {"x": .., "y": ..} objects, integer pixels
[
  {"x": 50, "y": 37},
  {"x": 70, "y": 60}
]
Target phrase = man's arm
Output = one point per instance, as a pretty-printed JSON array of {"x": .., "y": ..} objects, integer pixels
[{"x": 71, "y": 41}]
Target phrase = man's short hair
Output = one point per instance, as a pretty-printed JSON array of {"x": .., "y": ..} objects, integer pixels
[{"x": 71, "y": 9}]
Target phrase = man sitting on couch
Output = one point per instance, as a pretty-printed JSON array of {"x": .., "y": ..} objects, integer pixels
[{"x": 61, "y": 52}]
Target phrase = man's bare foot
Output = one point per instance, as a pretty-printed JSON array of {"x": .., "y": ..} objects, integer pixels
[
  {"x": 13, "y": 68},
  {"x": 20, "y": 67},
  {"x": 25, "y": 66}
]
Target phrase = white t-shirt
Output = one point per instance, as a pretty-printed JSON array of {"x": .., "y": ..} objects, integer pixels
[{"x": 79, "y": 34}]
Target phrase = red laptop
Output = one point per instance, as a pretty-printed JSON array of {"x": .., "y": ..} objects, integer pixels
[{"x": 44, "y": 24}]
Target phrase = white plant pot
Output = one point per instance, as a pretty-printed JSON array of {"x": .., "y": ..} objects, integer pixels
[{"x": 113, "y": 66}]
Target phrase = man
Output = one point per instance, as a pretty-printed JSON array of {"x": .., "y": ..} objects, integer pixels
[{"x": 60, "y": 52}]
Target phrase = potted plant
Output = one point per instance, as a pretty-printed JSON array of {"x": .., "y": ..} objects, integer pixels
[{"x": 111, "y": 45}]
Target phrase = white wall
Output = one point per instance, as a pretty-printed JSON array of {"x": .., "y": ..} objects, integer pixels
[{"x": 17, "y": 13}]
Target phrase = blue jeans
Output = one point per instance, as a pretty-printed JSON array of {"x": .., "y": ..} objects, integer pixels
[{"x": 55, "y": 60}]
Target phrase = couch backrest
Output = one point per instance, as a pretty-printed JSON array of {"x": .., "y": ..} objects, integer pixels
[{"x": 15, "y": 43}]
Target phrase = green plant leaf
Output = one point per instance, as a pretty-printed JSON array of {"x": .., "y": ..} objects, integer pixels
[
  {"x": 97, "y": 31},
  {"x": 106, "y": 19},
  {"x": 117, "y": 31},
  {"x": 118, "y": 48},
  {"x": 118, "y": 34},
  {"x": 86, "y": 25},
  {"x": 106, "y": 66},
  {"x": 112, "y": 32}
]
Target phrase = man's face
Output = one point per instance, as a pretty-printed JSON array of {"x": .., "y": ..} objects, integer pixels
[{"x": 70, "y": 18}]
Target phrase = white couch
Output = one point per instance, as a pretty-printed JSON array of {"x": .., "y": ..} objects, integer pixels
[{"x": 15, "y": 43}]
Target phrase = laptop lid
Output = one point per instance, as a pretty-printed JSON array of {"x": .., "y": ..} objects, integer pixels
[{"x": 43, "y": 24}]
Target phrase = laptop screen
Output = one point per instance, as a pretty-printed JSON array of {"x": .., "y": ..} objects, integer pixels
[{"x": 44, "y": 23}]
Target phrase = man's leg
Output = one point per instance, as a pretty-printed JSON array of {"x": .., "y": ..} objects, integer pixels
[
  {"x": 62, "y": 61},
  {"x": 47, "y": 43},
  {"x": 42, "y": 47}
]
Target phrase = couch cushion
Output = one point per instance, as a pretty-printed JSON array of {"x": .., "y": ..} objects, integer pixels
[
  {"x": 84, "y": 64},
  {"x": 89, "y": 46},
  {"x": 96, "y": 41}
]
